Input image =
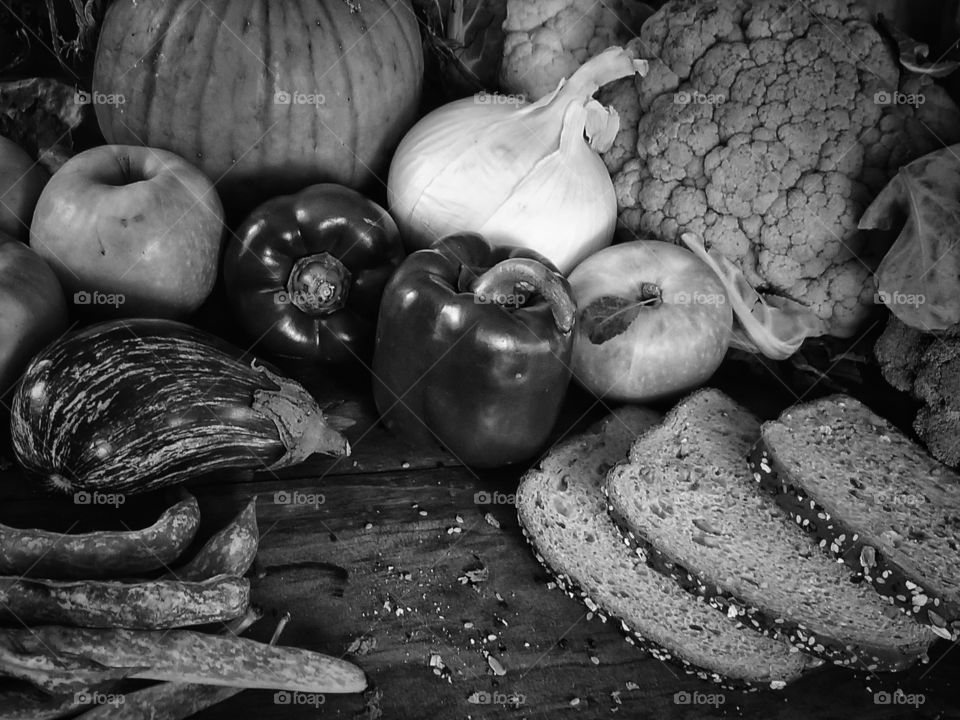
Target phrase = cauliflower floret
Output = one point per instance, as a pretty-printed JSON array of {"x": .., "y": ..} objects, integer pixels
[
  {"x": 766, "y": 128},
  {"x": 548, "y": 40}
]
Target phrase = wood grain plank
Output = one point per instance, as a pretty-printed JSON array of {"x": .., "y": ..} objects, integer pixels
[{"x": 366, "y": 564}]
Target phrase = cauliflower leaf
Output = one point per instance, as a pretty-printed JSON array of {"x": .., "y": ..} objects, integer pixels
[
  {"x": 919, "y": 278},
  {"x": 773, "y": 326}
]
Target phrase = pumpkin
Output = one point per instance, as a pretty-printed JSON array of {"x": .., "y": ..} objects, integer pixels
[{"x": 264, "y": 96}]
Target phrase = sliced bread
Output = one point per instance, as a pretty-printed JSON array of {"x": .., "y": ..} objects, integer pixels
[
  {"x": 872, "y": 497},
  {"x": 687, "y": 501},
  {"x": 562, "y": 512}
]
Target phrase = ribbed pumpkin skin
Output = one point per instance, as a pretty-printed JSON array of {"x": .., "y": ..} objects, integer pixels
[{"x": 200, "y": 80}]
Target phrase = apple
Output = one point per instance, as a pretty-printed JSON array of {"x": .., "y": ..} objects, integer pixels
[
  {"x": 34, "y": 311},
  {"x": 21, "y": 182},
  {"x": 131, "y": 232},
  {"x": 653, "y": 321}
]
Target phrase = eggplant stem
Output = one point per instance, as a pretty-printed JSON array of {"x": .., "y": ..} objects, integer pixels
[{"x": 301, "y": 424}]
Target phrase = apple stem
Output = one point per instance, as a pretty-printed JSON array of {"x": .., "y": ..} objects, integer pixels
[{"x": 650, "y": 295}]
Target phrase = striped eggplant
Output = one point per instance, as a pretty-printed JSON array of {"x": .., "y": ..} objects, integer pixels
[{"x": 128, "y": 406}]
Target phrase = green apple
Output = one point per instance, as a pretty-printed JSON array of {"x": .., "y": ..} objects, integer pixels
[
  {"x": 654, "y": 321},
  {"x": 133, "y": 231}
]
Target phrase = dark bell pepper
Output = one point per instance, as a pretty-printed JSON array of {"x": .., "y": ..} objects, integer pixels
[
  {"x": 305, "y": 273},
  {"x": 473, "y": 349}
]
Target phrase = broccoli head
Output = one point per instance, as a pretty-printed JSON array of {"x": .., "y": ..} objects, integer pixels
[
  {"x": 927, "y": 367},
  {"x": 767, "y": 127}
]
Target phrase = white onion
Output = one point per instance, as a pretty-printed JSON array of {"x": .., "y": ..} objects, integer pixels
[{"x": 518, "y": 173}]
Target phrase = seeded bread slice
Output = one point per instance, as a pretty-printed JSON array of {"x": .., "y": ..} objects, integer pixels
[
  {"x": 562, "y": 511},
  {"x": 687, "y": 500},
  {"x": 872, "y": 498}
]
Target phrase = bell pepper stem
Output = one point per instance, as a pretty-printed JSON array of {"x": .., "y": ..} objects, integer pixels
[
  {"x": 499, "y": 285},
  {"x": 318, "y": 284}
]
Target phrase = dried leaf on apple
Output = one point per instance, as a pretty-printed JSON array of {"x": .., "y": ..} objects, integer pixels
[{"x": 609, "y": 316}]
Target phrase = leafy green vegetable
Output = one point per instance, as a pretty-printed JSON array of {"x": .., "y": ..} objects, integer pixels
[
  {"x": 34, "y": 31},
  {"x": 39, "y": 114},
  {"x": 919, "y": 278},
  {"x": 463, "y": 43}
]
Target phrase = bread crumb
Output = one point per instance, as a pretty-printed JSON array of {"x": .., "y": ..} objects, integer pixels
[{"x": 496, "y": 666}]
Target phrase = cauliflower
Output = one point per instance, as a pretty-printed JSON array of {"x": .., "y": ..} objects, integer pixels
[
  {"x": 766, "y": 128},
  {"x": 547, "y": 40}
]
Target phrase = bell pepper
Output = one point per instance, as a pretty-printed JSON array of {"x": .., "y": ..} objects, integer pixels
[
  {"x": 305, "y": 273},
  {"x": 33, "y": 310},
  {"x": 473, "y": 349}
]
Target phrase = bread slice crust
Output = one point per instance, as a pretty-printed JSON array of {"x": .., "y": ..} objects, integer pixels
[
  {"x": 584, "y": 553},
  {"x": 855, "y": 517},
  {"x": 686, "y": 502}
]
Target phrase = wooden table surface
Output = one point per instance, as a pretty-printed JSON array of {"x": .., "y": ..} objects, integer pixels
[{"x": 404, "y": 569}]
